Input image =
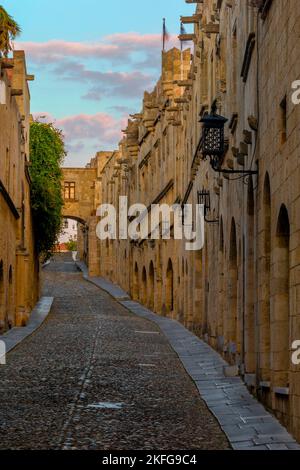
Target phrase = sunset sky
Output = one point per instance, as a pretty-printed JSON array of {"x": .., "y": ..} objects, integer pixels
[{"x": 92, "y": 60}]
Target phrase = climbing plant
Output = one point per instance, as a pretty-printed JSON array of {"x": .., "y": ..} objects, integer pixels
[{"x": 47, "y": 152}]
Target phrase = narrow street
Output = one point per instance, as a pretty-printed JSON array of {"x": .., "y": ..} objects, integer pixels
[{"x": 95, "y": 376}]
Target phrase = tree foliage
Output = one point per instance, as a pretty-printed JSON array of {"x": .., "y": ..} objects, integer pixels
[
  {"x": 9, "y": 30},
  {"x": 47, "y": 152},
  {"x": 71, "y": 245}
]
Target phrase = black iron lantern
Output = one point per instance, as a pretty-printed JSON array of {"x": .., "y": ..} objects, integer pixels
[
  {"x": 213, "y": 141},
  {"x": 204, "y": 199}
]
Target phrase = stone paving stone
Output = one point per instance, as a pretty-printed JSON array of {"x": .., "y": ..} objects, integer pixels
[
  {"x": 221, "y": 410},
  {"x": 229, "y": 419},
  {"x": 263, "y": 440},
  {"x": 277, "y": 447},
  {"x": 268, "y": 428},
  {"x": 231, "y": 402},
  {"x": 242, "y": 445},
  {"x": 38, "y": 315},
  {"x": 293, "y": 446},
  {"x": 87, "y": 353}
]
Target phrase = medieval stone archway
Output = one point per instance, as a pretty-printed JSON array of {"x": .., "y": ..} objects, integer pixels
[
  {"x": 2, "y": 298},
  {"x": 280, "y": 340},
  {"x": 170, "y": 287},
  {"x": 198, "y": 310},
  {"x": 231, "y": 327},
  {"x": 221, "y": 291},
  {"x": 78, "y": 189},
  {"x": 151, "y": 286},
  {"x": 82, "y": 237},
  {"x": 144, "y": 286},
  {"x": 249, "y": 324},
  {"x": 135, "y": 288},
  {"x": 265, "y": 306}
]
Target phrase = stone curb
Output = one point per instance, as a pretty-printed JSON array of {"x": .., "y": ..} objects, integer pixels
[
  {"x": 115, "y": 291},
  {"x": 244, "y": 420},
  {"x": 38, "y": 315}
]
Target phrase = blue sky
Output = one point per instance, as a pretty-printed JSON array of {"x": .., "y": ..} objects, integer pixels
[{"x": 92, "y": 59}]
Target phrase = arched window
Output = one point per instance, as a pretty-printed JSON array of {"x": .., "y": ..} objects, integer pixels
[
  {"x": 2, "y": 304},
  {"x": 221, "y": 244},
  {"x": 265, "y": 310},
  {"x": 231, "y": 328},
  {"x": 151, "y": 286},
  {"x": 135, "y": 292},
  {"x": 221, "y": 291},
  {"x": 280, "y": 302},
  {"x": 10, "y": 275},
  {"x": 144, "y": 286},
  {"x": 249, "y": 282},
  {"x": 170, "y": 287},
  {"x": 1, "y": 271}
]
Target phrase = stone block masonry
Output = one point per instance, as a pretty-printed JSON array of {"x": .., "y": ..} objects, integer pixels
[
  {"x": 240, "y": 293},
  {"x": 19, "y": 265}
]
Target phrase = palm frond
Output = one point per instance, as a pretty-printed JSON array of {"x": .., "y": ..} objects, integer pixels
[{"x": 9, "y": 30}]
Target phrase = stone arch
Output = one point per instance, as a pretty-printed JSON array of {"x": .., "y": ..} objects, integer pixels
[
  {"x": 158, "y": 281},
  {"x": 221, "y": 235},
  {"x": 2, "y": 297},
  {"x": 75, "y": 217},
  {"x": 198, "y": 305},
  {"x": 221, "y": 290},
  {"x": 170, "y": 287},
  {"x": 82, "y": 236},
  {"x": 10, "y": 307},
  {"x": 10, "y": 275},
  {"x": 181, "y": 297},
  {"x": 151, "y": 285},
  {"x": 205, "y": 323},
  {"x": 144, "y": 286},
  {"x": 135, "y": 289},
  {"x": 231, "y": 327},
  {"x": 249, "y": 282},
  {"x": 265, "y": 309},
  {"x": 280, "y": 340},
  {"x": 186, "y": 290}
]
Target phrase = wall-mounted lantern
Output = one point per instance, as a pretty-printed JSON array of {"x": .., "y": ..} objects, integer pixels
[
  {"x": 213, "y": 141},
  {"x": 204, "y": 199}
]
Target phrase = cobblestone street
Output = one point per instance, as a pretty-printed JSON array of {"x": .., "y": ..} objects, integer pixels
[{"x": 95, "y": 376}]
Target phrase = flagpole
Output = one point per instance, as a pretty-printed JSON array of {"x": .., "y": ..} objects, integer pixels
[
  {"x": 164, "y": 34},
  {"x": 181, "y": 56}
]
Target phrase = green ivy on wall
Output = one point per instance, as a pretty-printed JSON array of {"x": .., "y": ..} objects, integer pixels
[{"x": 47, "y": 152}]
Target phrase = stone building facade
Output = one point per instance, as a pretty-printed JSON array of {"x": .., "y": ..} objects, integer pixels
[
  {"x": 81, "y": 193},
  {"x": 19, "y": 267},
  {"x": 241, "y": 292}
]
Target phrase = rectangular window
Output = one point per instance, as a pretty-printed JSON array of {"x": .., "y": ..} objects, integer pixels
[
  {"x": 265, "y": 7},
  {"x": 283, "y": 111},
  {"x": 69, "y": 190},
  {"x": 247, "y": 56}
]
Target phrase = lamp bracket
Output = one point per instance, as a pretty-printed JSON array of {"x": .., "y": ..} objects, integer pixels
[{"x": 230, "y": 172}]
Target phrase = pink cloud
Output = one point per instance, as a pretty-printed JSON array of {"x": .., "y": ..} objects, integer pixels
[
  {"x": 55, "y": 50},
  {"x": 140, "y": 53},
  {"x": 101, "y": 127},
  {"x": 117, "y": 46},
  {"x": 125, "y": 84},
  {"x": 137, "y": 40}
]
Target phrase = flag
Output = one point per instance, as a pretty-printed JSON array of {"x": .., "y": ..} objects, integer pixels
[{"x": 166, "y": 35}]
